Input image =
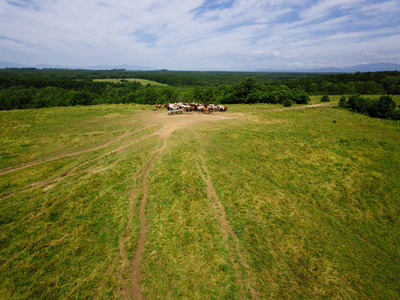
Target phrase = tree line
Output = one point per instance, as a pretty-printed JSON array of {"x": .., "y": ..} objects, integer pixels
[
  {"x": 92, "y": 93},
  {"x": 28, "y": 88},
  {"x": 384, "y": 107},
  {"x": 31, "y": 88}
]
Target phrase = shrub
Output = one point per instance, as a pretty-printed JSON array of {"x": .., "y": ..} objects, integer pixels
[
  {"x": 325, "y": 98},
  {"x": 384, "y": 108},
  {"x": 343, "y": 102},
  {"x": 287, "y": 102}
]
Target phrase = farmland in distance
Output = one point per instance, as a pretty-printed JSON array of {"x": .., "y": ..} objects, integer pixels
[
  {"x": 143, "y": 82},
  {"x": 257, "y": 202}
]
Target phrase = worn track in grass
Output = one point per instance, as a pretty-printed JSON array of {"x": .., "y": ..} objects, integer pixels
[
  {"x": 57, "y": 157},
  {"x": 169, "y": 124},
  {"x": 245, "y": 282}
]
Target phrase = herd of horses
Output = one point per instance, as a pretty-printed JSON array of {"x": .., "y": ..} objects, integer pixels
[{"x": 191, "y": 107}]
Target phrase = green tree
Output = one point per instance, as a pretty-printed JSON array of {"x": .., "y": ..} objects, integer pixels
[
  {"x": 384, "y": 108},
  {"x": 243, "y": 89}
]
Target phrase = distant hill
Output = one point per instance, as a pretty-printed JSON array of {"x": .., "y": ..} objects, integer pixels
[
  {"x": 378, "y": 67},
  {"x": 4, "y": 65},
  {"x": 126, "y": 67}
]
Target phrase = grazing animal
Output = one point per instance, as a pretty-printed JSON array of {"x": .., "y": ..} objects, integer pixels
[
  {"x": 175, "y": 111},
  {"x": 189, "y": 107}
]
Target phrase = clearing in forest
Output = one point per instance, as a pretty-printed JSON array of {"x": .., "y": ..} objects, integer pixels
[{"x": 143, "y": 82}]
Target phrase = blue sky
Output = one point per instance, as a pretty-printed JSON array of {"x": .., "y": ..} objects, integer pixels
[{"x": 200, "y": 35}]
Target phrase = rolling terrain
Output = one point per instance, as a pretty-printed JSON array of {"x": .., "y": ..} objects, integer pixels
[{"x": 121, "y": 202}]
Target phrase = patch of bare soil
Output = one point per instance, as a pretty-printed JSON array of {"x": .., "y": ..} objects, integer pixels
[
  {"x": 170, "y": 123},
  {"x": 245, "y": 282}
]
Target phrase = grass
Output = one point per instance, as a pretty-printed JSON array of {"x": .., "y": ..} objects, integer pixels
[
  {"x": 316, "y": 202},
  {"x": 143, "y": 82},
  {"x": 61, "y": 240},
  {"x": 335, "y": 98},
  {"x": 312, "y": 196}
]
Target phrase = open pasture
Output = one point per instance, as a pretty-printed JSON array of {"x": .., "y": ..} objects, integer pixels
[
  {"x": 113, "y": 201},
  {"x": 143, "y": 82}
]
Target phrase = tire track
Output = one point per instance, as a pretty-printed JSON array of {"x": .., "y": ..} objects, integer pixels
[
  {"x": 135, "y": 274},
  {"x": 50, "y": 183},
  {"x": 126, "y": 290},
  {"x": 39, "y": 162},
  {"x": 299, "y": 107},
  {"x": 245, "y": 282}
]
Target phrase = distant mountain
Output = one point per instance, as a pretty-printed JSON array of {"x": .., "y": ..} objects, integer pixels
[
  {"x": 126, "y": 67},
  {"x": 378, "y": 67},
  {"x": 4, "y": 65}
]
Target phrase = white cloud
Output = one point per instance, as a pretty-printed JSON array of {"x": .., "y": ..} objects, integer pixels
[{"x": 197, "y": 34}]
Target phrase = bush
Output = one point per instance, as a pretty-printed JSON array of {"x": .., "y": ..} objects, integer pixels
[
  {"x": 300, "y": 97},
  {"x": 360, "y": 104},
  {"x": 287, "y": 102},
  {"x": 384, "y": 108},
  {"x": 325, "y": 98},
  {"x": 343, "y": 102}
]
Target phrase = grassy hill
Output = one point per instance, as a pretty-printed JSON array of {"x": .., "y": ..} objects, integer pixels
[{"x": 251, "y": 203}]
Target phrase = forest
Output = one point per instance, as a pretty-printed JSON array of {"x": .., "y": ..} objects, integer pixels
[{"x": 36, "y": 88}]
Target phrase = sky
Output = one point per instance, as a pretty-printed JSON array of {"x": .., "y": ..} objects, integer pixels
[{"x": 231, "y": 35}]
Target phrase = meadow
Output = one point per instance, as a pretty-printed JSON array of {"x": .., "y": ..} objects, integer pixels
[
  {"x": 143, "y": 82},
  {"x": 254, "y": 203}
]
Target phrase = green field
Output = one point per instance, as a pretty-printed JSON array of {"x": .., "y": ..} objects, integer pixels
[
  {"x": 143, "y": 82},
  {"x": 251, "y": 203}
]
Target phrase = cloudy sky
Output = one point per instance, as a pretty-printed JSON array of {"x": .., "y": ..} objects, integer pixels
[{"x": 200, "y": 34}]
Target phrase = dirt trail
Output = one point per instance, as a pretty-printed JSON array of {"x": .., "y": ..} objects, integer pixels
[
  {"x": 169, "y": 123},
  {"x": 135, "y": 263},
  {"x": 127, "y": 292},
  {"x": 50, "y": 159},
  {"x": 300, "y": 107},
  {"x": 245, "y": 282}
]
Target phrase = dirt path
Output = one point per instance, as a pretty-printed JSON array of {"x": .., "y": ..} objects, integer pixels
[
  {"x": 126, "y": 291},
  {"x": 169, "y": 124},
  {"x": 135, "y": 263},
  {"x": 50, "y": 159},
  {"x": 245, "y": 282},
  {"x": 300, "y": 107}
]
